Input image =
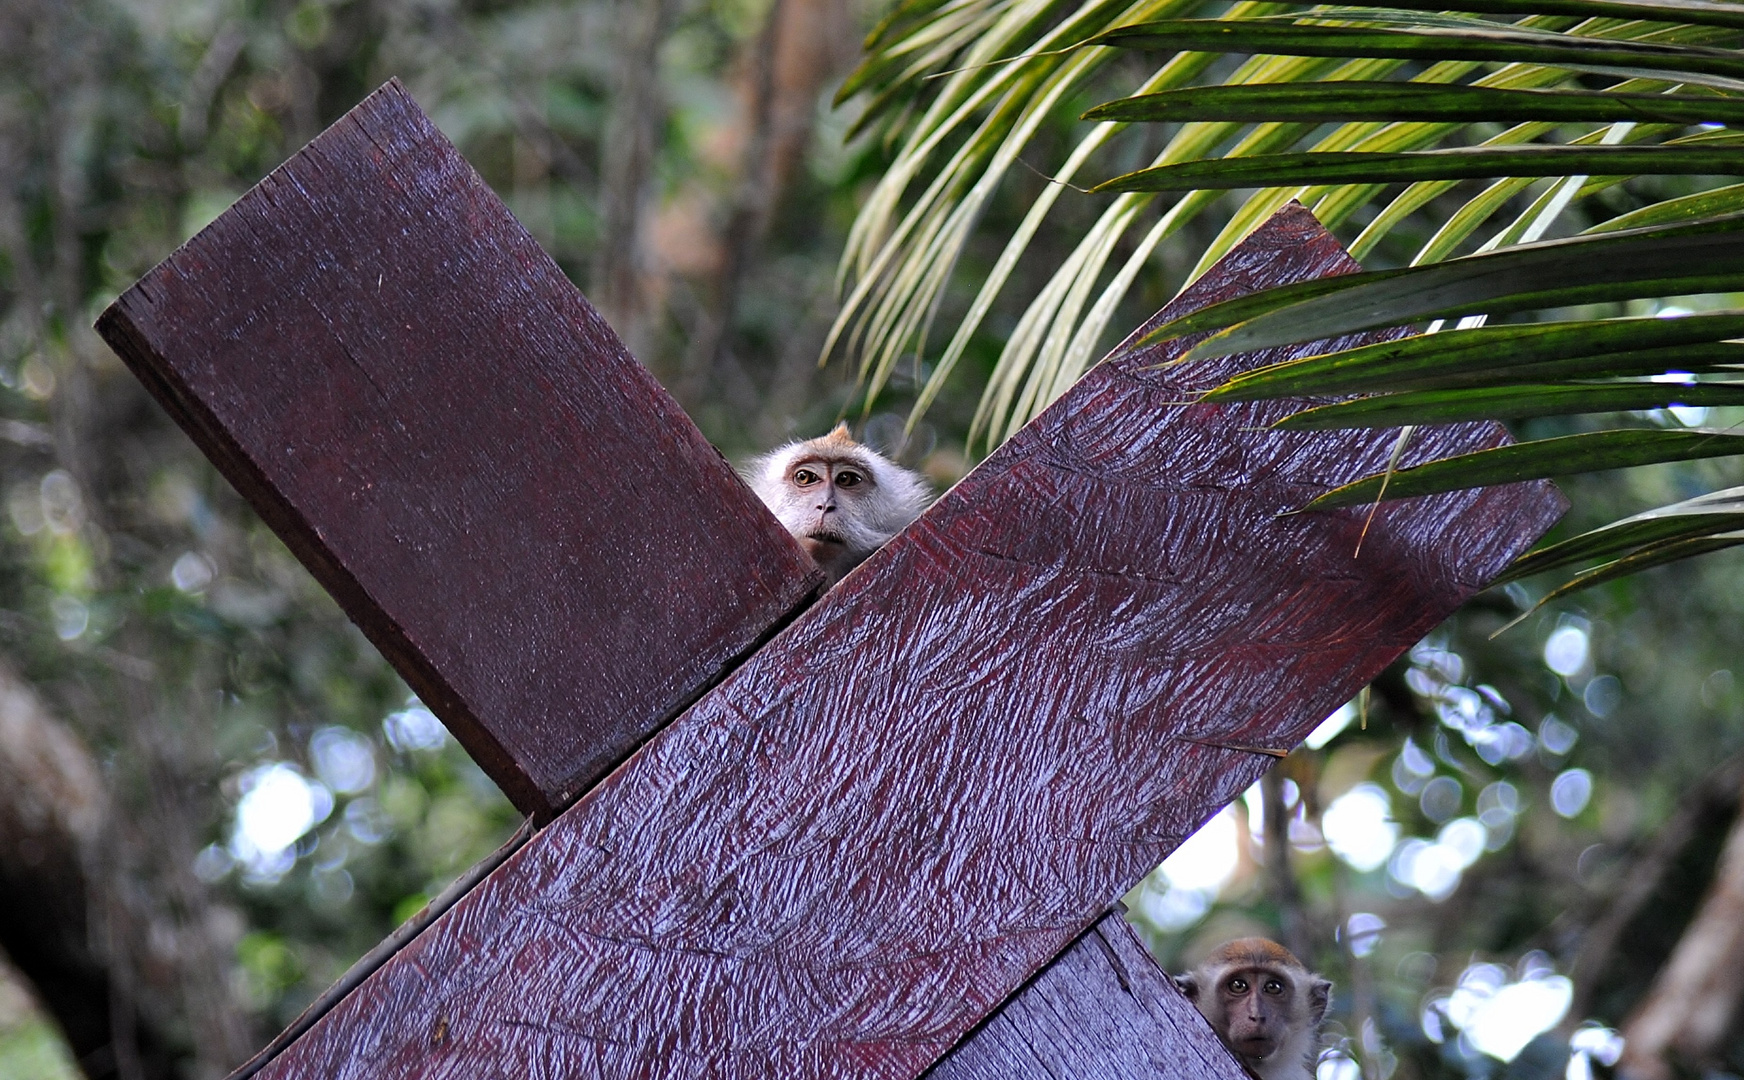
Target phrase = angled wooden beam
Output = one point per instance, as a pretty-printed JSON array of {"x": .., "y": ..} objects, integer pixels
[
  {"x": 410, "y": 392},
  {"x": 932, "y": 782},
  {"x": 1101, "y": 1011},
  {"x": 196, "y": 333}
]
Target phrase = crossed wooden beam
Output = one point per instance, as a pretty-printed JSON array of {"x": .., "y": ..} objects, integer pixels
[{"x": 783, "y": 835}]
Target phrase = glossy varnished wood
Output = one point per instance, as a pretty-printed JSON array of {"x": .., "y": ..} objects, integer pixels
[
  {"x": 931, "y": 783},
  {"x": 387, "y": 153},
  {"x": 416, "y": 399}
]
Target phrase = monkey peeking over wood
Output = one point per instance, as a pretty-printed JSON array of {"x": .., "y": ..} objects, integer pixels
[
  {"x": 839, "y": 498},
  {"x": 1263, "y": 1004}
]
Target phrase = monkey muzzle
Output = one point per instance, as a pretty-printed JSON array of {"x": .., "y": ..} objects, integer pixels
[
  {"x": 1254, "y": 1038},
  {"x": 821, "y": 544},
  {"x": 1256, "y": 1046},
  {"x": 825, "y": 531}
]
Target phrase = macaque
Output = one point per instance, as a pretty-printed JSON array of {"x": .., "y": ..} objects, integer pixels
[
  {"x": 1263, "y": 1004},
  {"x": 841, "y": 500}
]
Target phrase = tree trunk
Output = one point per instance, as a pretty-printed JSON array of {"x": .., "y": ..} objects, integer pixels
[
  {"x": 1280, "y": 875},
  {"x": 632, "y": 132},
  {"x": 53, "y": 915},
  {"x": 1688, "y": 1014}
]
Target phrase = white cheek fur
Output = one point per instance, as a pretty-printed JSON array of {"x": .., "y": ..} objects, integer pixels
[{"x": 867, "y": 517}]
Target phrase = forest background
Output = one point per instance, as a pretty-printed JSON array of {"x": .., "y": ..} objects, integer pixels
[{"x": 215, "y": 795}]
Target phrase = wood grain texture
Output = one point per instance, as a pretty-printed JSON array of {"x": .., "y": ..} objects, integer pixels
[
  {"x": 1102, "y": 1010},
  {"x": 410, "y": 392},
  {"x": 926, "y": 787}
]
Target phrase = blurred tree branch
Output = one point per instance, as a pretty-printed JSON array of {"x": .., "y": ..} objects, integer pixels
[
  {"x": 753, "y": 198},
  {"x": 1689, "y": 1013},
  {"x": 54, "y": 913},
  {"x": 1717, "y": 794},
  {"x": 627, "y": 164},
  {"x": 1281, "y": 885}
]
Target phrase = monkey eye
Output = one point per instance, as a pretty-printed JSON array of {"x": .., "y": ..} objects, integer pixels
[
  {"x": 847, "y": 478},
  {"x": 1273, "y": 986},
  {"x": 805, "y": 477},
  {"x": 1238, "y": 985}
]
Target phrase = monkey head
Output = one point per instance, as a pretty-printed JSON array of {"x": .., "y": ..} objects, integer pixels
[
  {"x": 1263, "y": 1003},
  {"x": 840, "y": 499}
]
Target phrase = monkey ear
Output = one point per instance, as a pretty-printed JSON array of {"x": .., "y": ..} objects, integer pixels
[
  {"x": 1319, "y": 997},
  {"x": 1189, "y": 987}
]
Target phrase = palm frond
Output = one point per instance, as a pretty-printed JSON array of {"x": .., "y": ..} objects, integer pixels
[
  {"x": 1539, "y": 459},
  {"x": 1373, "y": 115},
  {"x": 1515, "y": 401},
  {"x": 1667, "y": 260}
]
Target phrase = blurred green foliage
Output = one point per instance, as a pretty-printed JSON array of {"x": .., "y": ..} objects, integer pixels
[
  {"x": 147, "y": 605},
  {"x": 33, "y": 1051},
  {"x": 182, "y": 642},
  {"x": 1650, "y": 709}
]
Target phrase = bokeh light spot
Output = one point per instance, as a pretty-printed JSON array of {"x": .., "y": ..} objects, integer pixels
[
  {"x": 414, "y": 728},
  {"x": 1331, "y": 727},
  {"x": 1499, "y": 1018},
  {"x": 1565, "y": 652},
  {"x": 1207, "y": 859},
  {"x": 1441, "y": 798},
  {"x": 1603, "y": 695},
  {"x": 71, "y": 617},
  {"x": 192, "y": 572},
  {"x": 1363, "y": 932},
  {"x": 1570, "y": 792},
  {"x": 1358, "y": 826},
  {"x": 1336, "y": 1066},
  {"x": 1556, "y": 736},
  {"x": 278, "y": 806},
  {"x": 344, "y": 760}
]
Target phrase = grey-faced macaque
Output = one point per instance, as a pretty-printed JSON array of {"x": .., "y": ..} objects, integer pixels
[
  {"x": 1263, "y": 1004},
  {"x": 841, "y": 500}
]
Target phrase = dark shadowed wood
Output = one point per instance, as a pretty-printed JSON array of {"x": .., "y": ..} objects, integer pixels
[
  {"x": 415, "y": 398},
  {"x": 1101, "y": 1011},
  {"x": 934, "y": 780}
]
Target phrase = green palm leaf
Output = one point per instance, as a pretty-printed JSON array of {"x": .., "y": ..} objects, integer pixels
[
  {"x": 1540, "y": 459},
  {"x": 1350, "y": 101},
  {"x": 1698, "y": 12},
  {"x": 1409, "y": 363},
  {"x": 1701, "y": 205},
  {"x": 1707, "y": 516},
  {"x": 1510, "y": 402},
  {"x": 1461, "y": 163},
  {"x": 1643, "y": 558},
  {"x": 1374, "y": 115},
  {"x": 1689, "y": 62},
  {"x": 1667, "y": 260}
]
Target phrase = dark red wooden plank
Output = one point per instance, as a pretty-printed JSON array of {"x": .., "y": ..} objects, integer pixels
[
  {"x": 932, "y": 782},
  {"x": 415, "y": 398},
  {"x": 1102, "y": 1010}
]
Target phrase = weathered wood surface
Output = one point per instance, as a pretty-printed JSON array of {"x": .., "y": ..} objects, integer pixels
[
  {"x": 150, "y": 329},
  {"x": 928, "y": 785},
  {"x": 418, "y": 401},
  {"x": 1101, "y": 1011}
]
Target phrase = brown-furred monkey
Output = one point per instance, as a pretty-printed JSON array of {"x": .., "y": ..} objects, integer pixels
[{"x": 1263, "y": 1003}]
